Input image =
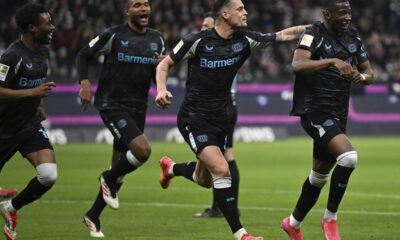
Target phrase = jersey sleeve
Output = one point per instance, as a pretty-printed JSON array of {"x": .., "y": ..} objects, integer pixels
[
  {"x": 185, "y": 49},
  {"x": 311, "y": 39},
  {"x": 100, "y": 45},
  {"x": 260, "y": 40},
  {"x": 163, "y": 45},
  {"x": 361, "y": 55},
  {"x": 9, "y": 65}
]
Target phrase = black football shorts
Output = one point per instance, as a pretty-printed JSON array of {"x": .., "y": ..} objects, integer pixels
[
  {"x": 25, "y": 142},
  {"x": 322, "y": 127},
  {"x": 124, "y": 125}
]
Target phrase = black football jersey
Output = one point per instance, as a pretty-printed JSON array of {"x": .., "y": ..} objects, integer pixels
[
  {"x": 326, "y": 90},
  {"x": 129, "y": 65},
  {"x": 212, "y": 65},
  {"x": 20, "y": 68}
]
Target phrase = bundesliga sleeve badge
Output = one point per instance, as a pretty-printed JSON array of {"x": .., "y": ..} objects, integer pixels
[
  {"x": 3, "y": 72},
  {"x": 178, "y": 47},
  {"x": 307, "y": 40}
]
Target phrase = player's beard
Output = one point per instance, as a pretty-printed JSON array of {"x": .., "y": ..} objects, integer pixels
[
  {"x": 42, "y": 38},
  {"x": 135, "y": 21}
]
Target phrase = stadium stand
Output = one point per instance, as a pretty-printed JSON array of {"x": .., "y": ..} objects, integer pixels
[{"x": 78, "y": 21}]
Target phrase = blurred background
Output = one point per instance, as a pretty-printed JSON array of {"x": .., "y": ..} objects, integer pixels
[{"x": 265, "y": 80}]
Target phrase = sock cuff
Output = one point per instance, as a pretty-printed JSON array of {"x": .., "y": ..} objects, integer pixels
[
  {"x": 239, "y": 233},
  {"x": 222, "y": 182},
  {"x": 132, "y": 159},
  {"x": 194, "y": 177}
]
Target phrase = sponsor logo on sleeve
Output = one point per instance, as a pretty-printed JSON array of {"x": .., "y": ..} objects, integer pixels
[
  {"x": 3, "y": 72},
  {"x": 178, "y": 47},
  {"x": 307, "y": 40},
  {"x": 93, "y": 41}
]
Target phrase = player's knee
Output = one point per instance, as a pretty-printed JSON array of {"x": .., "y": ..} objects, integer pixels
[
  {"x": 348, "y": 159},
  {"x": 317, "y": 179},
  {"x": 142, "y": 152},
  {"x": 221, "y": 170},
  {"x": 47, "y": 174}
]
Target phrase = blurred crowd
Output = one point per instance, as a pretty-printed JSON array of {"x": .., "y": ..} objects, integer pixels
[{"x": 78, "y": 21}]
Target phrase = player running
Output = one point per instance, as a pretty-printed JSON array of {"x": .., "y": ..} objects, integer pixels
[
  {"x": 132, "y": 51},
  {"x": 23, "y": 71},
  {"x": 329, "y": 58},
  {"x": 214, "y": 57}
]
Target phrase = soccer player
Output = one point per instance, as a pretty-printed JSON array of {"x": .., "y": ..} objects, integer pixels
[
  {"x": 214, "y": 211},
  {"x": 214, "y": 57},
  {"x": 323, "y": 64},
  {"x": 132, "y": 51},
  {"x": 23, "y": 71}
]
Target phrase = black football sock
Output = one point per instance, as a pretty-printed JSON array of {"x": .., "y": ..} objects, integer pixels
[
  {"x": 227, "y": 203},
  {"x": 308, "y": 197},
  {"x": 214, "y": 204},
  {"x": 235, "y": 183},
  {"x": 185, "y": 169},
  {"x": 340, "y": 178},
  {"x": 33, "y": 191},
  {"x": 235, "y": 178},
  {"x": 121, "y": 168}
]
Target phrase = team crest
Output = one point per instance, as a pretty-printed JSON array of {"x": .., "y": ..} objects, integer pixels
[
  {"x": 121, "y": 123},
  {"x": 352, "y": 48},
  {"x": 328, "y": 123},
  {"x": 154, "y": 46},
  {"x": 202, "y": 138},
  {"x": 237, "y": 47}
]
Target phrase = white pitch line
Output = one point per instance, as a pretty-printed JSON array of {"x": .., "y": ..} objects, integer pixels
[
  {"x": 197, "y": 206},
  {"x": 253, "y": 190}
]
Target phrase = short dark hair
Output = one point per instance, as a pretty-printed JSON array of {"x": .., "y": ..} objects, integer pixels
[
  {"x": 208, "y": 14},
  {"x": 327, "y": 4},
  {"x": 29, "y": 14},
  {"x": 218, "y": 5}
]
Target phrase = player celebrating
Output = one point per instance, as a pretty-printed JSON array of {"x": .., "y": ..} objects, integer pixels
[
  {"x": 23, "y": 71},
  {"x": 214, "y": 57},
  {"x": 131, "y": 51},
  {"x": 323, "y": 63},
  {"x": 214, "y": 211}
]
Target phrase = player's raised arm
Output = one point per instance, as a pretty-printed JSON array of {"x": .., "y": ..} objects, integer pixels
[
  {"x": 290, "y": 34},
  {"x": 163, "y": 98}
]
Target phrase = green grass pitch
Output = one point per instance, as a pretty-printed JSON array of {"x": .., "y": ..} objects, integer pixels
[{"x": 271, "y": 178}]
